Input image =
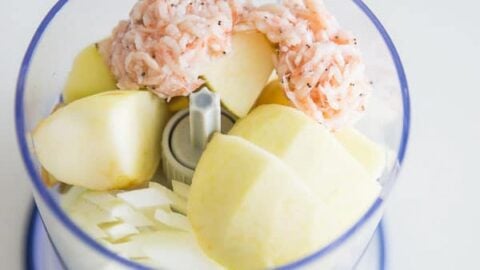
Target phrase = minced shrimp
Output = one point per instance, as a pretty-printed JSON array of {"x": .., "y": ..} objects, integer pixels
[
  {"x": 318, "y": 63},
  {"x": 164, "y": 44}
]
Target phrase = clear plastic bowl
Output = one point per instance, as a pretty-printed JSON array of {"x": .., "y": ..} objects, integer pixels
[{"x": 71, "y": 25}]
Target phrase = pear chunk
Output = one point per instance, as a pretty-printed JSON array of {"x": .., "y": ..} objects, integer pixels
[
  {"x": 249, "y": 210},
  {"x": 90, "y": 75},
  {"x": 240, "y": 76},
  {"x": 314, "y": 153},
  {"x": 107, "y": 141}
]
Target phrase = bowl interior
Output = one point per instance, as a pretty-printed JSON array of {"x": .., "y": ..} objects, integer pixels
[{"x": 72, "y": 25}]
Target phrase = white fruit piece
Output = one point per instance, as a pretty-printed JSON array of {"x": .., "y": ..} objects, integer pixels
[
  {"x": 178, "y": 203},
  {"x": 99, "y": 197},
  {"x": 119, "y": 231},
  {"x": 240, "y": 76},
  {"x": 180, "y": 206},
  {"x": 85, "y": 214},
  {"x": 322, "y": 163},
  {"x": 92, "y": 229},
  {"x": 107, "y": 141},
  {"x": 370, "y": 154},
  {"x": 181, "y": 189},
  {"x": 146, "y": 197},
  {"x": 249, "y": 210},
  {"x": 91, "y": 212},
  {"x": 172, "y": 219},
  {"x": 117, "y": 208},
  {"x": 174, "y": 250},
  {"x": 130, "y": 216},
  {"x": 90, "y": 75},
  {"x": 151, "y": 235}
]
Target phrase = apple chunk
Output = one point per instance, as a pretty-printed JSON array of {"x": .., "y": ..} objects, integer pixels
[
  {"x": 107, "y": 141},
  {"x": 322, "y": 163},
  {"x": 240, "y": 76},
  {"x": 249, "y": 210},
  {"x": 90, "y": 75}
]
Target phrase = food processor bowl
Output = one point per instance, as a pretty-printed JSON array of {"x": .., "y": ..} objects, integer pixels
[{"x": 72, "y": 25}]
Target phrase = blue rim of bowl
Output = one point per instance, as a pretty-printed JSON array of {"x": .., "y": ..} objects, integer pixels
[{"x": 65, "y": 220}]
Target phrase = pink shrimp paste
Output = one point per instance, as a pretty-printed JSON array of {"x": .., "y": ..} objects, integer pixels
[{"x": 164, "y": 44}]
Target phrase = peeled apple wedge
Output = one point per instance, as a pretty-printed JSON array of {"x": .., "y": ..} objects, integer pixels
[
  {"x": 107, "y": 141},
  {"x": 321, "y": 162},
  {"x": 371, "y": 155},
  {"x": 249, "y": 210},
  {"x": 240, "y": 76},
  {"x": 90, "y": 75}
]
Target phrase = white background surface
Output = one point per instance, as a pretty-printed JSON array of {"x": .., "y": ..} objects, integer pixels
[{"x": 433, "y": 216}]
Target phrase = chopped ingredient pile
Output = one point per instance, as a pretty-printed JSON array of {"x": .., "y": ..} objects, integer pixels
[{"x": 165, "y": 44}]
